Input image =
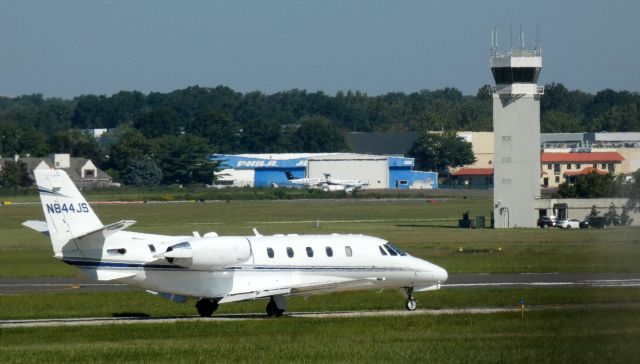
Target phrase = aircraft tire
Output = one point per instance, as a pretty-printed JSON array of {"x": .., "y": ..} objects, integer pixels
[
  {"x": 206, "y": 307},
  {"x": 273, "y": 310},
  {"x": 411, "y": 304}
]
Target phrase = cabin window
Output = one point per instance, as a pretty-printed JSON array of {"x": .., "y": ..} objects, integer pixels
[
  {"x": 329, "y": 251},
  {"x": 289, "y": 252},
  {"x": 348, "y": 251},
  {"x": 382, "y": 250},
  {"x": 270, "y": 252},
  {"x": 578, "y": 166},
  {"x": 152, "y": 248},
  {"x": 120, "y": 251},
  {"x": 309, "y": 252}
]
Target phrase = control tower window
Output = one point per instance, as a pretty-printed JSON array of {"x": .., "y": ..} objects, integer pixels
[{"x": 509, "y": 75}]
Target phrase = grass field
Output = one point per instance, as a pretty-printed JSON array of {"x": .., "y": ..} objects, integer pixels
[
  {"x": 579, "y": 336},
  {"x": 424, "y": 228},
  {"x": 137, "y": 303}
]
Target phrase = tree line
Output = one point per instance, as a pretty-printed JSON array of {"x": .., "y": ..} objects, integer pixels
[{"x": 221, "y": 120}]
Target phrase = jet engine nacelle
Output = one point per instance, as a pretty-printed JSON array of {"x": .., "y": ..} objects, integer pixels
[{"x": 209, "y": 252}]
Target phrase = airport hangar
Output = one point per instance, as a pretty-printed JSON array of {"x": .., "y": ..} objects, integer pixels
[{"x": 268, "y": 170}]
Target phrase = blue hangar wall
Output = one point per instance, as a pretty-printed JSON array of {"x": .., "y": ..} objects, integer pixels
[
  {"x": 402, "y": 175},
  {"x": 269, "y": 172}
]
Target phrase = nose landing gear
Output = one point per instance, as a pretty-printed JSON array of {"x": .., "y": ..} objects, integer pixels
[{"x": 411, "y": 303}]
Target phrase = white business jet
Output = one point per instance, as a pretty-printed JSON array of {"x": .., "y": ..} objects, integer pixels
[
  {"x": 348, "y": 185},
  {"x": 219, "y": 269},
  {"x": 327, "y": 183}
]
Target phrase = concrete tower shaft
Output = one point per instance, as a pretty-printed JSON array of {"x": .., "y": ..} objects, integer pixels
[{"x": 516, "y": 127}]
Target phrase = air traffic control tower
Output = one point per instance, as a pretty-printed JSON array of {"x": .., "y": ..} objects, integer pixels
[{"x": 516, "y": 128}]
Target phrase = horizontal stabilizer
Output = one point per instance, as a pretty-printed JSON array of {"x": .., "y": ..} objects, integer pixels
[
  {"x": 108, "y": 230},
  {"x": 39, "y": 226}
]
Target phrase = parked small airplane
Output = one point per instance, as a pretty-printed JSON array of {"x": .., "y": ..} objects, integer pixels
[
  {"x": 328, "y": 183},
  {"x": 219, "y": 269}
]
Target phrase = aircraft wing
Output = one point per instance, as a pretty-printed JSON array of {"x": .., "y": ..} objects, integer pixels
[
  {"x": 345, "y": 284},
  {"x": 252, "y": 295},
  {"x": 305, "y": 288}
]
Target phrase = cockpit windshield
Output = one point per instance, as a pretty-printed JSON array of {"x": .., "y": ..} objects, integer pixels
[{"x": 395, "y": 249}]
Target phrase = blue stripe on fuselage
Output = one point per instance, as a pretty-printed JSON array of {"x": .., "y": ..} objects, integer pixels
[{"x": 104, "y": 264}]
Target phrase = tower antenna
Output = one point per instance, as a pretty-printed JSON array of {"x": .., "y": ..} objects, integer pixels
[{"x": 511, "y": 36}]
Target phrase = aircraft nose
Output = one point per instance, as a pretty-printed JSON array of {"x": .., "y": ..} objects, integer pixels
[{"x": 441, "y": 274}]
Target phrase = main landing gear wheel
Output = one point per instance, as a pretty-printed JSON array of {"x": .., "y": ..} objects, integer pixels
[
  {"x": 273, "y": 310},
  {"x": 206, "y": 307},
  {"x": 411, "y": 303}
]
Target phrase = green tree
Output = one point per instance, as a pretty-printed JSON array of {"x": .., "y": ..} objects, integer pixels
[
  {"x": 318, "y": 134},
  {"x": 222, "y": 133},
  {"x": 633, "y": 191},
  {"x": 142, "y": 172},
  {"x": 15, "y": 174},
  {"x": 22, "y": 140},
  {"x": 559, "y": 122},
  {"x": 261, "y": 136},
  {"x": 158, "y": 122},
  {"x": 441, "y": 151},
  {"x": 130, "y": 146},
  {"x": 183, "y": 159},
  {"x": 593, "y": 185},
  {"x": 78, "y": 144}
]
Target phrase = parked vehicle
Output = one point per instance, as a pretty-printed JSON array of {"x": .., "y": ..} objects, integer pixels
[
  {"x": 568, "y": 224},
  {"x": 547, "y": 221},
  {"x": 598, "y": 222},
  {"x": 584, "y": 224}
]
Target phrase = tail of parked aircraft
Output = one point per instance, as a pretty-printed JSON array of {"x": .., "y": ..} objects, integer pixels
[
  {"x": 289, "y": 175},
  {"x": 68, "y": 214}
]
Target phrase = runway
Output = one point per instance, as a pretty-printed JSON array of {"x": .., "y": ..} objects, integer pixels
[
  {"x": 456, "y": 281},
  {"x": 96, "y": 321}
]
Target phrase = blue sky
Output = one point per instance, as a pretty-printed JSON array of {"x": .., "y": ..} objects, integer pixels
[{"x": 67, "y": 48}]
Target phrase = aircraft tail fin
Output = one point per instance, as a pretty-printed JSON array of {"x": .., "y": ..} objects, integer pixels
[
  {"x": 68, "y": 214},
  {"x": 289, "y": 175}
]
